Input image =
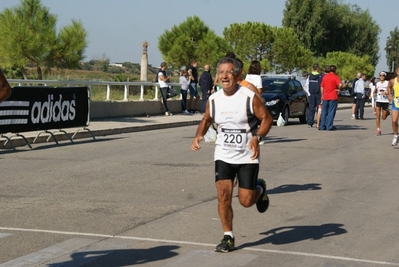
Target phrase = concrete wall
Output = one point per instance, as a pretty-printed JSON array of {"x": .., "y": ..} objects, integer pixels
[{"x": 107, "y": 109}]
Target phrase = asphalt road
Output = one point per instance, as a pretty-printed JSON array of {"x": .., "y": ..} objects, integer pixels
[{"x": 145, "y": 199}]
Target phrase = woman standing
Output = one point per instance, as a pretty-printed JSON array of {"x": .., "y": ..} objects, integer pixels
[{"x": 184, "y": 83}]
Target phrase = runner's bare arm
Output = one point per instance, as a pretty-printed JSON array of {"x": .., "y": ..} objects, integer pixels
[{"x": 390, "y": 89}]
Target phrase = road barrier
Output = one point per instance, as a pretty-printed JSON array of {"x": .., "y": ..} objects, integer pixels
[{"x": 44, "y": 109}]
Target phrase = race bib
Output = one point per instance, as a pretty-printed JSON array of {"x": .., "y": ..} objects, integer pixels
[
  {"x": 234, "y": 139},
  {"x": 396, "y": 102}
]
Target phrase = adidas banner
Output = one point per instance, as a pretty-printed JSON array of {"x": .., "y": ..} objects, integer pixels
[{"x": 43, "y": 108}]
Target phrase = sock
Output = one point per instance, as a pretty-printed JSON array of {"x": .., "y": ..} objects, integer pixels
[
  {"x": 396, "y": 136},
  {"x": 261, "y": 189},
  {"x": 378, "y": 129},
  {"x": 230, "y": 233}
]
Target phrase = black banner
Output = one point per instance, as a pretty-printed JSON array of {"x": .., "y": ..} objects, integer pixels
[{"x": 32, "y": 108}]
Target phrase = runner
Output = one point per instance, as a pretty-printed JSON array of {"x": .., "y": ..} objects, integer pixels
[
  {"x": 393, "y": 96},
  {"x": 382, "y": 101},
  {"x": 237, "y": 112}
]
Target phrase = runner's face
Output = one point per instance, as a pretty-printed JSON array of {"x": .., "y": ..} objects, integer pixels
[{"x": 226, "y": 77}]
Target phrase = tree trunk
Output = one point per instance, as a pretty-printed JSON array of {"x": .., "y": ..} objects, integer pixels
[
  {"x": 24, "y": 73},
  {"x": 39, "y": 73}
]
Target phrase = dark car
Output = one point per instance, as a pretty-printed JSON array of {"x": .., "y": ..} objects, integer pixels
[{"x": 285, "y": 95}]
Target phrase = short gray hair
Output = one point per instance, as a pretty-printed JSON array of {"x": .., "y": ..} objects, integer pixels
[{"x": 236, "y": 64}]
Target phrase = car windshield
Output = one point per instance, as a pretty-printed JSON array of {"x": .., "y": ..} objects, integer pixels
[{"x": 274, "y": 86}]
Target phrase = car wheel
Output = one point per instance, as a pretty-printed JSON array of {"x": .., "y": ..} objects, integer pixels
[
  {"x": 303, "y": 118},
  {"x": 286, "y": 114}
]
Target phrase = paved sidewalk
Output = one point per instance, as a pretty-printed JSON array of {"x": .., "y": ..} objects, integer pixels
[{"x": 110, "y": 126}]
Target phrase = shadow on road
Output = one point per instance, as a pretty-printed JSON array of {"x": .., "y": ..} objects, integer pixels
[
  {"x": 118, "y": 258},
  {"x": 292, "y": 234},
  {"x": 289, "y": 188}
]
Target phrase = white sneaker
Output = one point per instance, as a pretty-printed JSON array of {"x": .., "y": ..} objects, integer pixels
[
  {"x": 167, "y": 113},
  {"x": 353, "y": 116},
  {"x": 185, "y": 112},
  {"x": 394, "y": 141}
]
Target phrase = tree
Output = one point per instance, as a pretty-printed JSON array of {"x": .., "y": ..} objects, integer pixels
[
  {"x": 69, "y": 47},
  {"x": 191, "y": 40},
  {"x": 250, "y": 41},
  {"x": 392, "y": 50},
  {"x": 348, "y": 64},
  {"x": 32, "y": 39},
  {"x": 288, "y": 53},
  {"x": 328, "y": 26}
]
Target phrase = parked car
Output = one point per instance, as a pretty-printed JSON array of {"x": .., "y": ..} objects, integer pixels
[{"x": 285, "y": 95}]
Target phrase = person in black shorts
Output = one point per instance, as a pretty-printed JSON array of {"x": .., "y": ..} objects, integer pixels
[{"x": 242, "y": 121}]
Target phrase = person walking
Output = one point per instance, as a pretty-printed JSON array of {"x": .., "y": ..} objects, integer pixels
[
  {"x": 193, "y": 79},
  {"x": 205, "y": 82},
  {"x": 184, "y": 84},
  {"x": 360, "y": 97},
  {"x": 382, "y": 101},
  {"x": 358, "y": 75},
  {"x": 5, "y": 88},
  {"x": 314, "y": 93},
  {"x": 163, "y": 80},
  {"x": 330, "y": 85},
  {"x": 242, "y": 121},
  {"x": 393, "y": 96}
]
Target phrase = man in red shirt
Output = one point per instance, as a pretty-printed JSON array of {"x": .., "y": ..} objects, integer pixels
[{"x": 330, "y": 86}]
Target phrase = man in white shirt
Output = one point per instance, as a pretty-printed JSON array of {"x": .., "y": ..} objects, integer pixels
[{"x": 237, "y": 112}]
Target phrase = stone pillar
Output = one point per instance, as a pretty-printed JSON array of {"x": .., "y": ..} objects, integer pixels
[{"x": 144, "y": 63}]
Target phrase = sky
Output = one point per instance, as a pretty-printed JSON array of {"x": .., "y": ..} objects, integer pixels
[{"x": 117, "y": 28}]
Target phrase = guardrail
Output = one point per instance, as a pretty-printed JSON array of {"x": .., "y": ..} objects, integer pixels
[{"x": 89, "y": 84}]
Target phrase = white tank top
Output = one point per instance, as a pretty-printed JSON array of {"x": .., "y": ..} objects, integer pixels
[
  {"x": 236, "y": 123},
  {"x": 382, "y": 87}
]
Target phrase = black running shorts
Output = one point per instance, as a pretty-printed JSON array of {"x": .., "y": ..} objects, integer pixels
[{"x": 247, "y": 174}]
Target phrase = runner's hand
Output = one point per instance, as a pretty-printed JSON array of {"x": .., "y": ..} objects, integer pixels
[
  {"x": 195, "y": 143},
  {"x": 254, "y": 146}
]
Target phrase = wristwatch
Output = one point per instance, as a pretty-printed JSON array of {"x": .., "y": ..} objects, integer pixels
[{"x": 259, "y": 137}]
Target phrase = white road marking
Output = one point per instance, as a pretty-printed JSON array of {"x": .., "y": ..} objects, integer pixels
[{"x": 304, "y": 254}]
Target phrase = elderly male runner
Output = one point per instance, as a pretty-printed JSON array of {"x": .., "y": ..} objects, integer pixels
[{"x": 242, "y": 121}]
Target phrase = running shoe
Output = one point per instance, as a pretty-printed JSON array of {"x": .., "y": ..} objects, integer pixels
[
  {"x": 394, "y": 141},
  {"x": 378, "y": 132},
  {"x": 226, "y": 245},
  {"x": 263, "y": 203}
]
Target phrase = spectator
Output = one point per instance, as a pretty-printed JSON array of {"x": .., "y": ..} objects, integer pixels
[
  {"x": 193, "y": 79},
  {"x": 184, "y": 84},
  {"x": 360, "y": 97},
  {"x": 314, "y": 93},
  {"x": 253, "y": 75},
  {"x": 163, "y": 80},
  {"x": 372, "y": 88},
  {"x": 330, "y": 85},
  {"x": 305, "y": 82},
  {"x": 205, "y": 82},
  {"x": 354, "y": 95}
]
